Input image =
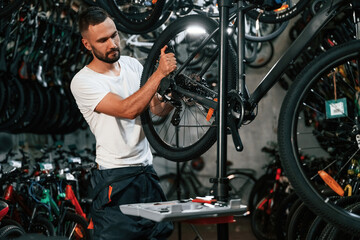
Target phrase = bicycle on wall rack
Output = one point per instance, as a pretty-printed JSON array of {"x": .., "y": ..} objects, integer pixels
[{"x": 319, "y": 116}]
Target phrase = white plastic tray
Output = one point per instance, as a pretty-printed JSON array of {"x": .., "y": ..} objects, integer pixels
[{"x": 176, "y": 210}]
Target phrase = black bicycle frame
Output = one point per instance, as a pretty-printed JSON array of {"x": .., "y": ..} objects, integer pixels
[{"x": 326, "y": 13}]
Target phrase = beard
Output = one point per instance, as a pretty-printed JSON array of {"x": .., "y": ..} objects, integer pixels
[{"x": 106, "y": 57}]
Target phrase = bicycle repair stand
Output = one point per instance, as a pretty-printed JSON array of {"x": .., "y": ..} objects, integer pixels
[{"x": 185, "y": 210}]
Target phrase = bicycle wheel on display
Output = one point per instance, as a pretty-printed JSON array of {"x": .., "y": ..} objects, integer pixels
[
  {"x": 265, "y": 52},
  {"x": 286, "y": 11},
  {"x": 74, "y": 226},
  {"x": 300, "y": 222},
  {"x": 263, "y": 220},
  {"x": 43, "y": 226},
  {"x": 319, "y": 119},
  {"x": 169, "y": 184},
  {"x": 11, "y": 232},
  {"x": 190, "y": 128},
  {"x": 14, "y": 107},
  {"x": 136, "y": 16},
  {"x": 7, "y": 7},
  {"x": 2, "y": 94},
  {"x": 240, "y": 185}
]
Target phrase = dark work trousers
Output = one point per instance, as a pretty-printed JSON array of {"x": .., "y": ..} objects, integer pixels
[{"x": 110, "y": 222}]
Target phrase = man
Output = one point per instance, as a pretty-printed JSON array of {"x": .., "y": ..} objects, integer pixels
[{"x": 108, "y": 95}]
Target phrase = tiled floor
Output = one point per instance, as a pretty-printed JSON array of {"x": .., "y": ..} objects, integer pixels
[{"x": 240, "y": 230}]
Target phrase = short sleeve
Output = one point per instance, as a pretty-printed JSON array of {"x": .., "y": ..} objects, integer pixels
[
  {"x": 136, "y": 68},
  {"x": 87, "y": 91}
]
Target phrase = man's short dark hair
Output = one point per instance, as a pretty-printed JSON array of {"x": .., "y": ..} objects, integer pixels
[{"x": 91, "y": 16}]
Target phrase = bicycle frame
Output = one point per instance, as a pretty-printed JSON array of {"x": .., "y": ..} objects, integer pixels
[
  {"x": 248, "y": 100},
  {"x": 70, "y": 195},
  {"x": 326, "y": 13}
]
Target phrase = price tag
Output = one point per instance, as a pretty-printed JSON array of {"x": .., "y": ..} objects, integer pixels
[
  {"x": 336, "y": 108},
  {"x": 15, "y": 163},
  {"x": 69, "y": 176},
  {"x": 74, "y": 160},
  {"x": 46, "y": 166}
]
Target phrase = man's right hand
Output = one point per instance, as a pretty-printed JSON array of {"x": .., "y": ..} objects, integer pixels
[{"x": 167, "y": 62}]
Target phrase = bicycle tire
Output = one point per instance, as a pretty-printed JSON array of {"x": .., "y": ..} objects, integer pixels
[
  {"x": 262, "y": 221},
  {"x": 336, "y": 233},
  {"x": 279, "y": 15},
  {"x": 261, "y": 188},
  {"x": 240, "y": 185},
  {"x": 40, "y": 109},
  {"x": 310, "y": 88},
  {"x": 42, "y": 225},
  {"x": 28, "y": 112},
  {"x": 195, "y": 135},
  {"x": 9, "y": 8},
  {"x": 15, "y": 106},
  {"x": 2, "y": 94},
  {"x": 300, "y": 222},
  {"x": 268, "y": 37},
  {"x": 316, "y": 228},
  {"x": 137, "y": 21},
  {"x": 168, "y": 183},
  {"x": 263, "y": 56},
  {"x": 71, "y": 221},
  {"x": 282, "y": 215},
  {"x": 11, "y": 231}
]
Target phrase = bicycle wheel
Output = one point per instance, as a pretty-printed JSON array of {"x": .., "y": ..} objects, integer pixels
[
  {"x": 42, "y": 225},
  {"x": 300, "y": 222},
  {"x": 9, "y": 6},
  {"x": 288, "y": 10},
  {"x": 265, "y": 52},
  {"x": 282, "y": 215},
  {"x": 169, "y": 183},
  {"x": 11, "y": 231},
  {"x": 190, "y": 129},
  {"x": 307, "y": 129},
  {"x": 2, "y": 94},
  {"x": 15, "y": 106},
  {"x": 260, "y": 189},
  {"x": 263, "y": 220},
  {"x": 240, "y": 185},
  {"x": 136, "y": 15},
  {"x": 74, "y": 227}
]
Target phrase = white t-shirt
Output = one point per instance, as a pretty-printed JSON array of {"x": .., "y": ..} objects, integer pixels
[{"x": 120, "y": 142}]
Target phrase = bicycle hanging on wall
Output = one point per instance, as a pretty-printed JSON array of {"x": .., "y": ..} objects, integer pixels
[{"x": 319, "y": 116}]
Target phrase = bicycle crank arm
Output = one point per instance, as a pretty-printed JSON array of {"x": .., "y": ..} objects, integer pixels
[
  {"x": 235, "y": 134},
  {"x": 202, "y": 100}
]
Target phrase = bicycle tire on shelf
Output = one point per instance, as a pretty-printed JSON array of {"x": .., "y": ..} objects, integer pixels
[
  {"x": 297, "y": 118},
  {"x": 10, "y": 7},
  {"x": 263, "y": 56},
  {"x": 15, "y": 104},
  {"x": 29, "y": 109},
  {"x": 137, "y": 22},
  {"x": 279, "y": 16},
  {"x": 2, "y": 94},
  {"x": 203, "y": 134}
]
